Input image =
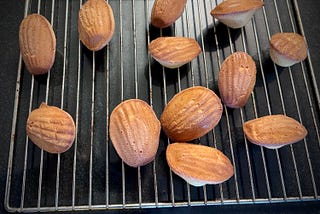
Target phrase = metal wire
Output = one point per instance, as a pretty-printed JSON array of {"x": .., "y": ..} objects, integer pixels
[
  {"x": 228, "y": 123},
  {"x": 269, "y": 108},
  {"x": 300, "y": 117},
  {"x": 155, "y": 186},
  {"x": 255, "y": 108}
]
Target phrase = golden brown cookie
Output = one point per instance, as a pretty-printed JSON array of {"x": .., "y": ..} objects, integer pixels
[
  {"x": 274, "y": 131},
  {"x": 191, "y": 114},
  {"x": 236, "y": 13},
  {"x": 51, "y": 128},
  {"x": 173, "y": 52},
  {"x": 134, "y": 132},
  {"x": 96, "y": 24},
  {"x": 287, "y": 49},
  {"x": 37, "y": 43},
  {"x": 198, "y": 164}
]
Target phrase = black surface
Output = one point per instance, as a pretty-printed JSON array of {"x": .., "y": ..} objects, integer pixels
[{"x": 12, "y": 13}]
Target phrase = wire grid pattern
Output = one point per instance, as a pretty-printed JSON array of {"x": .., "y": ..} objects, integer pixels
[{"x": 89, "y": 85}]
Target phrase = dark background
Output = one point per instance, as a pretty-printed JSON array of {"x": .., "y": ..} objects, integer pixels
[{"x": 11, "y": 16}]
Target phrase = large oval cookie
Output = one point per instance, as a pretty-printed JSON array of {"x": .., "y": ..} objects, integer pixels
[
  {"x": 37, "y": 43},
  {"x": 286, "y": 49},
  {"x": 96, "y": 24},
  {"x": 173, "y": 52},
  {"x": 198, "y": 164},
  {"x": 166, "y": 12},
  {"x": 51, "y": 128},
  {"x": 134, "y": 132},
  {"x": 236, "y": 13},
  {"x": 274, "y": 131},
  {"x": 191, "y": 114},
  {"x": 237, "y": 78}
]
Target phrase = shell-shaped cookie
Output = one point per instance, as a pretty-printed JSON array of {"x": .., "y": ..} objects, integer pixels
[
  {"x": 37, "y": 43},
  {"x": 134, "y": 132},
  {"x": 191, "y": 114},
  {"x": 287, "y": 49},
  {"x": 236, "y": 13},
  {"x": 51, "y": 128},
  {"x": 166, "y": 12},
  {"x": 96, "y": 24},
  {"x": 198, "y": 164},
  {"x": 173, "y": 52},
  {"x": 274, "y": 131},
  {"x": 236, "y": 80}
]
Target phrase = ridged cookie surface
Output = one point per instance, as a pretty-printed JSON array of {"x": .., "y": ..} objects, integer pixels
[
  {"x": 191, "y": 114},
  {"x": 274, "y": 131},
  {"x": 134, "y": 132},
  {"x": 198, "y": 164},
  {"x": 236, "y": 13},
  {"x": 96, "y": 24},
  {"x": 236, "y": 6},
  {"x": 51, "y": 128},
  {"x": 173, "y": 52},
  {"x": 37, "y": 43},
  {"x": 287, "y": 49},
  {"x": 166, "y": 12},
  {"x": 237, "y": 78}
]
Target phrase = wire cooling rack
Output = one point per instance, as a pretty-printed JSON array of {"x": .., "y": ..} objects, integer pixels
[{"x": 89, "y": 85}]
